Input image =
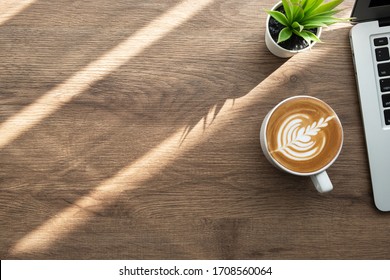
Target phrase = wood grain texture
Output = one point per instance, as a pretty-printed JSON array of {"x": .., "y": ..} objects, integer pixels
[{"x": 160, "y": 158}]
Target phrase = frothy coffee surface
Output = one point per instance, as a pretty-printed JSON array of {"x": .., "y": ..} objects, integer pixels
[{"x": 304, "y": 134}]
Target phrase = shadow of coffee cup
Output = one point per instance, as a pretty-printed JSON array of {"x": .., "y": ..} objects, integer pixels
[{"x": 303, "y": 136}]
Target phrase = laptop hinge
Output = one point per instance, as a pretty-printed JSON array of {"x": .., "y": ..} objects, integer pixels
[{"x": 384, "y": 22}]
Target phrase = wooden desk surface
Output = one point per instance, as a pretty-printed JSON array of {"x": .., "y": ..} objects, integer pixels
[{"x": 130, "y": 130}]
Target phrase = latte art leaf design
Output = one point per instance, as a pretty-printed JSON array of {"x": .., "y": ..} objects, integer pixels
[{"x": 299, "y": 143}]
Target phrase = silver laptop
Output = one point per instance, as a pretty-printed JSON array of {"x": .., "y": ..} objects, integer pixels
[{"x": 370, "y": 43}]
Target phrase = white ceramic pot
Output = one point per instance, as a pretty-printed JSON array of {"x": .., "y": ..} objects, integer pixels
[{"x": 277, "y": 50}]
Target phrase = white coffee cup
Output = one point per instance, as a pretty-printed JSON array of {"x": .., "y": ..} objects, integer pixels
[{"x": 319, "y": 177}]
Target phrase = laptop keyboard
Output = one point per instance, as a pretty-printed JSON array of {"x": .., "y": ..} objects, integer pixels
[{"x": 382, "y": 55}]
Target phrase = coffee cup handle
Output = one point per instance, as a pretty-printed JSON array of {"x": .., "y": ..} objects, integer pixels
[{"x": 322, "y": 182}]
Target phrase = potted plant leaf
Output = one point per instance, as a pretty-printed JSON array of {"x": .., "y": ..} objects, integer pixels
[{"x": 294, "y": 26}]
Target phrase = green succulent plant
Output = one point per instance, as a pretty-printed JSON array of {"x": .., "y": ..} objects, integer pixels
[{"x": 302, "y": 15}]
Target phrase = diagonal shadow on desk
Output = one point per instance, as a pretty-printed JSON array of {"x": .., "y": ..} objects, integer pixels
[
  {"x": 173, "y": 84},
  {"x": 46, "y": 43},
  {"x": 93, "y": 136}
]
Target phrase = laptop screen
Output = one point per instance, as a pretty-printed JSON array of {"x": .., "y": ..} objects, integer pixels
[
  {"x": 376, "y": 3},
  {"x": 367, "y": 10}
]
